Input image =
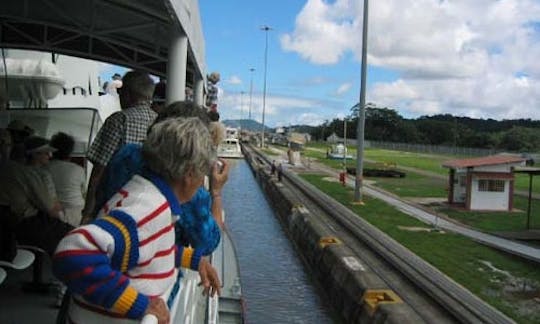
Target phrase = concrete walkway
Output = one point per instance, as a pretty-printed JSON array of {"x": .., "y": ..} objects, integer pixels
[
  {"x": 499, "y": 243},
  {"x": 410, "y": 209}
]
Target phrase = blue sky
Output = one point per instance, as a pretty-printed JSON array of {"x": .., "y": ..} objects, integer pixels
[
  {"x": 235, "y": 43},
  {"x": 425, "y": 57}
]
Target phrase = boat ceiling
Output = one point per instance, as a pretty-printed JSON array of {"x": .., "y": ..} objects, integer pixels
[{"x": 131, "y": 33}]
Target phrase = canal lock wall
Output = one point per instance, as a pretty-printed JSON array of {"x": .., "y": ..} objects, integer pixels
[{"x": 357, "y": 294}]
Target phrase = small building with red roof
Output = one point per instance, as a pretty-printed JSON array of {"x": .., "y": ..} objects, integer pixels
[{"x": 484, "y": 183}]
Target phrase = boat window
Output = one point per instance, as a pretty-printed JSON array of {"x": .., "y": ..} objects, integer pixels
[{"x": 81, "y": 123}]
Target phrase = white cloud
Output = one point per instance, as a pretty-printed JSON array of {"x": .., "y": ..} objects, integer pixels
[
  {"x": 234, "y": 79},
  {"x": 295, "y": 109},
  {"x": 476, "y": 58},
  {"x": 343, "y": 88}
]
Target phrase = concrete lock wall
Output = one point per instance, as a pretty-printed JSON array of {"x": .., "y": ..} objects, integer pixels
[{"x": 347, "y": 285}]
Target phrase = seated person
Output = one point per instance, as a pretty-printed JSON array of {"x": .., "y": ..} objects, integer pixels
[
  {"x": 34, "y": 212},
  {"x": 19, "y": 133},
  {"x": 38, "y": 154},
  {"x": 124, "y": 264},
  {"x": 197, "y": 226},
  {"x": 69, "y": 178}
]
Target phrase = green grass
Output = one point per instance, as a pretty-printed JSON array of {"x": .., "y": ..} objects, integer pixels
[
  {"x": 498, "y": 221},
  {"x": 412, "y": 185},
  {"x": 426, "y": 162},
  {"x": 522, "y": 182},
  {"x": 455, "y": 255},
  {"x": 267, "y": 151}
]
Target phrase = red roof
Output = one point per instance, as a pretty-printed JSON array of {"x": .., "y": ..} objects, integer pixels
[{"x": 482, "y": 161}]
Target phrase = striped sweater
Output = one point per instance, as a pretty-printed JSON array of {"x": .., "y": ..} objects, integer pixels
[{"x": 116, "y": 264}]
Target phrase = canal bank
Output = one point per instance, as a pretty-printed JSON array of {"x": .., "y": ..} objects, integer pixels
[{"x": 357, "y": 294}]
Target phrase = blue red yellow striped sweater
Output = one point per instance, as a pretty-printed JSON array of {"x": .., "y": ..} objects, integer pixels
[{"x": 116, "y": 264}]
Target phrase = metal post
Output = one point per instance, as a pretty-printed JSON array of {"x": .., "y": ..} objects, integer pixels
[
  {"x": 345, "y": 143},
  {"x": 529, "y": 204},
  {"x": 241, "y": 107},
  {"x": 265, "y": 29},
  {"x": 361, "y": 112},
  {"x": 176, "y": 69},
  {"x": 250, "y": 92}
]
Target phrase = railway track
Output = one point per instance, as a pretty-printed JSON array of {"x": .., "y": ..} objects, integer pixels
[{"x": 429, "y": 294}]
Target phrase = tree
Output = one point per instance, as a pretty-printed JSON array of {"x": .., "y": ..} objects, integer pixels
[{"x": 521, "y": 139}]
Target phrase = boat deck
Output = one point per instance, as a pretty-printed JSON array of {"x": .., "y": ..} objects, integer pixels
[{"x": 19, "y": 307}]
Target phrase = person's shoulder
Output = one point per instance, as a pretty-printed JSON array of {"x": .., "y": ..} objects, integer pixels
[
  {"x": 116, "y": 115},
  {"x": 131, "y": 151}
]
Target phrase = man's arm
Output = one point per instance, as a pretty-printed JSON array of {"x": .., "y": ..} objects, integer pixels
[
  {"x": 90, "y": 201},
  {"x": 107, "y": 141}
]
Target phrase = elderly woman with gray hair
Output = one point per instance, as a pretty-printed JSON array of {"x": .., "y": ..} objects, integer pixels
[
  {"x": 202, "y": 217},
  {"x": 124, "y": 264}
]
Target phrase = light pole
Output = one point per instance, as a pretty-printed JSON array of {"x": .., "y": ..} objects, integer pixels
[
  {"x": 241, "y": 106},
  {"x": 265, "y": 29},
  {"x": 361, "y": 112},
  {"x": 345, "y": 144},
  {"x": 250, "y": 92}
]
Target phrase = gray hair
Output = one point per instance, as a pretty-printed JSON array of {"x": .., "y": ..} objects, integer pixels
[
  {"x": 183, "y": 109},
  {"x": 139, "y": 84},
  {"x": 176, "y": 146}
]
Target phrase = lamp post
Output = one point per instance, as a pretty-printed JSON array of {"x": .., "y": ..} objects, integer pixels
[
  {"x": 361, "y": 112},
  {"x": 250, "y": 92},
  {"x": 241, "y": 106},
  {"x": 345, "y": 143},
  {"x": 265, "y": 29}
]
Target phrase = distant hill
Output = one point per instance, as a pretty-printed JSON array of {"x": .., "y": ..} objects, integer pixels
[{"x": 248, "y": 124}]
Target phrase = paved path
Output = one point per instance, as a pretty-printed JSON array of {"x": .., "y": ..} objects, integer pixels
[{"x": 409, "y": 208}]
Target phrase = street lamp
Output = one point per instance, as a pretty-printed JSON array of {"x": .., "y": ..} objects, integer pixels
[
  {"x": 361, "y": 112},
  {"x": 250, "y": 91},
  {"x": 345, "y": 144},
  {"x": 241, "y": 106},
  {"x": 265, "y": 29}
]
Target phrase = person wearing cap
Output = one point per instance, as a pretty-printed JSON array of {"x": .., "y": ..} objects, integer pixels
[
  {"x": 19, "y": 133},
  {"x": 38, "y": 154},
  {"x": 130, "y": 125},
  {"x": 33, "y": 210}
]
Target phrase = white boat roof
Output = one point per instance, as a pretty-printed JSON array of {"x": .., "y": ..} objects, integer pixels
[{"x": 131, "y": 33}]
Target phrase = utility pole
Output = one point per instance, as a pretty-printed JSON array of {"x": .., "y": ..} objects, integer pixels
[
  {"x": 265, "y": 29},
  {"x": 361, "y": 113},
  {"x": 241, "y": 107},
  {"x": 250, "y": 92}
]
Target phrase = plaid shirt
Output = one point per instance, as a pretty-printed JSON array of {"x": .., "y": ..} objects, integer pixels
[{"x": 127, "y": 126}]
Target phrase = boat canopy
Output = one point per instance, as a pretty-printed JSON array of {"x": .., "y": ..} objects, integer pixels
[
  {"x": 137, "y": 34},
  {"x": 30, "y": 79}
]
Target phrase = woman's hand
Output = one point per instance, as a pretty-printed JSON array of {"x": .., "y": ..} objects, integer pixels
[
  {"x": 209, "y": 278},
  {"x": 220, "y": 174},
  {"x": 158, "y": 308}
]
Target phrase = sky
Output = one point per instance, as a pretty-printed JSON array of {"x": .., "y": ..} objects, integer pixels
[{"x": 476, "y": 58}]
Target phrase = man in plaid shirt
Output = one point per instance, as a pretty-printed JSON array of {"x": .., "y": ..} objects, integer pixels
[{"x": 129, "y": 125}]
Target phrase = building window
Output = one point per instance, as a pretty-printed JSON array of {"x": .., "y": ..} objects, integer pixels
[{"x": 491, "y": 185}]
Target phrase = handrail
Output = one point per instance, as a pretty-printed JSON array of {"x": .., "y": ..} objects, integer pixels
[{"x": 149, "y": 319}]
